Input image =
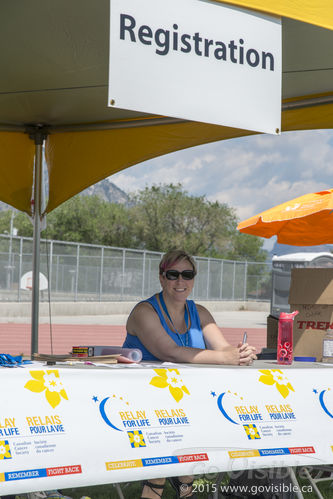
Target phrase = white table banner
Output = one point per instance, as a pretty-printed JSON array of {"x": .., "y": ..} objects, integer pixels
[{"x": 69, "y": 427}]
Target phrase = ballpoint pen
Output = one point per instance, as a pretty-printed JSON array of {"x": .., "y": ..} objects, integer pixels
[{"x": 244, "y": 338}]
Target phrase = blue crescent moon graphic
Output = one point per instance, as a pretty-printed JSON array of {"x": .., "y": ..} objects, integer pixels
[
  {"x": 322, "y": 403},
  {"x": 220, "y": 406},
  {"x": 104, "y": 416}
]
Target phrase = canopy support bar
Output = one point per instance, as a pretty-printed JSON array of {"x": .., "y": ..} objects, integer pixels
[
  {"x": 38, "y": 134},
  {"x": 161, "y": 120},
  {"x": 286, "y": 106},
  {"x": 303, "y": 103},
  {"x": 116, "y": 125}
]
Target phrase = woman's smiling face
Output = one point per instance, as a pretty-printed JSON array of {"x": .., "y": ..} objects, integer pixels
[{"x": 180, "y": 288}]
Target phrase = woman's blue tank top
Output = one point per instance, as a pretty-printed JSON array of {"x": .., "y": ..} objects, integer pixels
[{"x": 195, "y": 335}]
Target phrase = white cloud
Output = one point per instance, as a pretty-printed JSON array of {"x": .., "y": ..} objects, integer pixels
[{"x": 251, "y": 174}]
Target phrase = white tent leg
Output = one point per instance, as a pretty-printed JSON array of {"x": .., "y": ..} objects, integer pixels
[
  {"x": 119, "y": 491},
  {"x": 294, "y": 480}
]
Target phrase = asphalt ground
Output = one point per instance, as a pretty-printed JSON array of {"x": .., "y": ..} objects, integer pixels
[{"x": 59, "y": 335}]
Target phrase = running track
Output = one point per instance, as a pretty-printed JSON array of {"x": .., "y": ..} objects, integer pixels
[{"x": 15, "y": 338}]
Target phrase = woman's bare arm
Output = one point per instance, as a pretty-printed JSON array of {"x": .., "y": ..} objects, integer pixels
[{"x": 215, "y": 339}]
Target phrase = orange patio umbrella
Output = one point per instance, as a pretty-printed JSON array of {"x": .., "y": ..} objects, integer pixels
[{"x": 303, "y": 221}]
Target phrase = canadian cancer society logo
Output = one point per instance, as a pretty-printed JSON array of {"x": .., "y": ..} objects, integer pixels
[
  {"x": 136, "y": 438},
  {"x": 5, "y": 450},
  {"x": 49, "y": 383},
  {"x": 251, "y": 431},
  {"x": 171, "y": 379}
]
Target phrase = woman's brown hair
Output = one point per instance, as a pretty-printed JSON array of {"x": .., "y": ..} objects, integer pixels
[{"x": 174, "y": 256}]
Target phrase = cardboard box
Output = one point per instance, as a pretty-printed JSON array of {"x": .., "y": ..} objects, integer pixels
[{"x": 311, "y": 293}]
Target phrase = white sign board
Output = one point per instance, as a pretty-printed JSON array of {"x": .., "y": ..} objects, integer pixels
[{"x": 196, "y": 60}]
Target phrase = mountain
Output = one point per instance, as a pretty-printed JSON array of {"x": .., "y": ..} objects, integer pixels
[
  {"x": 4, "y": 207},
  {"x": 285, "y": 249},
  {"x": 107, "y": 191}
]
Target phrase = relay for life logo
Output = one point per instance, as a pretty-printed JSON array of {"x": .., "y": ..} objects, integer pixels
[
  {"x": 119, "y": 414},
  {"x": 236, "y": 409}
]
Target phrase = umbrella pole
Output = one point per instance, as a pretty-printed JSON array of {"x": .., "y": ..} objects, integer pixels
[{"x": 39, "y": 139}]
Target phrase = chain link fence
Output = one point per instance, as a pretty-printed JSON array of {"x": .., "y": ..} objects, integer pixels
[{"x": 84, "y": 272}]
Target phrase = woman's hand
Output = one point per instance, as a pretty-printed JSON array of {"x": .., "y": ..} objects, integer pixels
[
  {"x": 246, "y": 353},
  {"x": 242, "y": 355},
  {"x": 228, "y": 356}
]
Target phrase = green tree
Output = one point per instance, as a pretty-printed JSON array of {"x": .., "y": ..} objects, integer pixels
[
  {"x": 159, "y": 218},
  {"x": 89, "y": 219},
  {"x": 247, "y": 247},
  {"x": 5, "y": 221},
  {"x": 166, "y": 216},
  {"x": 21, "y": 222}
]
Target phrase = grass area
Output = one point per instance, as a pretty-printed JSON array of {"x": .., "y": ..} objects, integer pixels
[
  {"x": 130, "y": 490},
  {"x": 204, "y": 486}
]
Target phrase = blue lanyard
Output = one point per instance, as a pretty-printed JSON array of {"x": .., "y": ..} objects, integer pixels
[{"x": 186, "y": 335}]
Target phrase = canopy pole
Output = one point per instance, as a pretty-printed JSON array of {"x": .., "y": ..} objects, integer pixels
[{"x": 38, "y": 137}]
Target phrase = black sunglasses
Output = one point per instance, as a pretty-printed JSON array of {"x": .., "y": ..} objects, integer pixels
[{"x": 172, "y": 275}]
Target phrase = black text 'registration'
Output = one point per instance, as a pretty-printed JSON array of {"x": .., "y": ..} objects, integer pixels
[{"x": 164, "y": 40}]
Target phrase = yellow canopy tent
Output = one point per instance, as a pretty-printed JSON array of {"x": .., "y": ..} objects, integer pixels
[{"x": 53, "y": 90}]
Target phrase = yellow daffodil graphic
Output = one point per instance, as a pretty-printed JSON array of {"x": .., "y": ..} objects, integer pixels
[
  {"x": 136, "y": 438},
  {"x": 251, "y": 431},
  {"x": 50, "y": 382},
  {"x": 170, "y": 378},
  {"x": 277, "y": 378},
  {"x": 5, "y": 450}
]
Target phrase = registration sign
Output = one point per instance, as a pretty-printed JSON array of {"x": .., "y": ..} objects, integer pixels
[{"x": 196, "y": 60}]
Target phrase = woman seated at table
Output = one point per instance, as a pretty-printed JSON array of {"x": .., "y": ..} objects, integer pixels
[{"x": 168, "y": 327}]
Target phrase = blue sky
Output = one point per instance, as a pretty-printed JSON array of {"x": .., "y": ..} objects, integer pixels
[{"x": 251, "y": 174}]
